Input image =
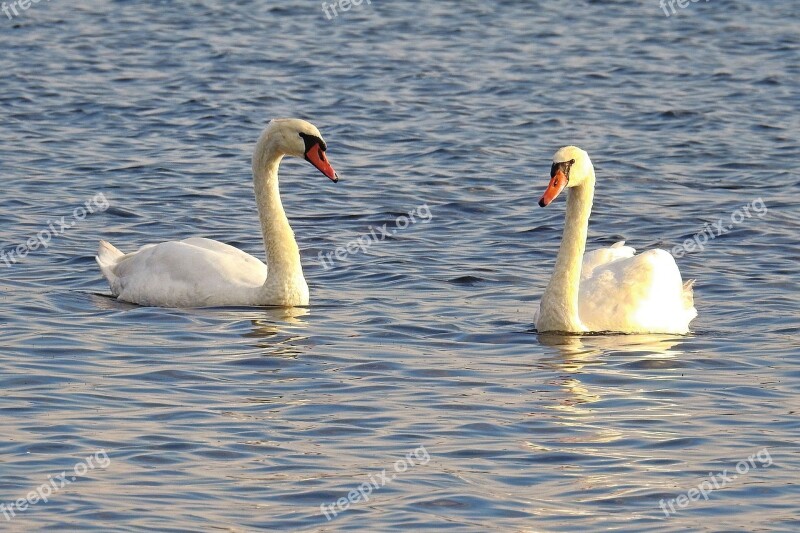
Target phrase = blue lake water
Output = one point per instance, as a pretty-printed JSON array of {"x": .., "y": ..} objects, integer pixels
[{"x": 417, "y": 356}]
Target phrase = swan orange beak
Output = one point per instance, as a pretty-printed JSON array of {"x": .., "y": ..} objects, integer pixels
[
  {"x": 316, "y": 156},
  {"x": 557, "y": 184}
]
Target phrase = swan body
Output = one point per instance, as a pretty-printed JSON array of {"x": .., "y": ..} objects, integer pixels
[
  {"x": 610, "y": 289},
  {"x": 200, "y": 272}
]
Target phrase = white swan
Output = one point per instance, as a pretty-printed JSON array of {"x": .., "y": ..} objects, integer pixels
[
  {"x": 200, "y": 272},
  {"x": 610, "y": 289}
]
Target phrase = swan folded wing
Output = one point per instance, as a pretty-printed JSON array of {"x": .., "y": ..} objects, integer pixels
[
  {"x": 194, "y": 272},
  {"x": 603, "y": 256},
  {"x": 228, "y": 251},
  {"x": 594, "y": 259},
  {"x": 640, "y": 294}
]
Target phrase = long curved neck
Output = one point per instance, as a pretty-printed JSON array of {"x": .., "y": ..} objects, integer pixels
[
  {"x": 283, "y": 255},
  {"x": 559, "y": 307}
]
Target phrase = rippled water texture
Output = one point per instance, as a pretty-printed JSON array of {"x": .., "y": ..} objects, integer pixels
[{"x": 251, "y": 419}]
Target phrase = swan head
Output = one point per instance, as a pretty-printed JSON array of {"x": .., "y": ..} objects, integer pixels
[
  {"x": 295, "y": 137},
  {"x": 571, "y": 168}
]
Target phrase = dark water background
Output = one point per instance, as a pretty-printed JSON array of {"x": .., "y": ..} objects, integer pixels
[{"x": 250, "y": 419}]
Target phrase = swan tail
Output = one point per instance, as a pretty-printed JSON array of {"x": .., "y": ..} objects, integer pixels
[
  {"x": 107, "y": 258},
  {"x": 688, "y": 298}
]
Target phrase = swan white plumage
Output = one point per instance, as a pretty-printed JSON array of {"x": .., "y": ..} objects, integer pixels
[
  {"x": 201, "y": 272},
  {"x": 610, "y": 289}
]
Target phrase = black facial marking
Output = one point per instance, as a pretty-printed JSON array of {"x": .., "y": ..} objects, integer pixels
[
  {"x": 312, "y": 140},
  {"x": 564, "y": 166}
]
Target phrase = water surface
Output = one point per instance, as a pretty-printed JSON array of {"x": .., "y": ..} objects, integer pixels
[{"x": 251, "y": 419}]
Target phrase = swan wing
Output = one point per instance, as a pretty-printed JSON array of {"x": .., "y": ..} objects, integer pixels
[
  {"x": 226, "y": 250},
  {"x": 604, "y": 256},
  {"x": 637, "y": 294},
  {"x": 194, "y": 272}
]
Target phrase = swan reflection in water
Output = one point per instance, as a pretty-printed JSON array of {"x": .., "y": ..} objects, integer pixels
[
  {"x": 275, "y": 328},
  {"x": 275, "y": 320},
  {"x": 577, "y": 354},
  {"x": 599, "y": 406}
]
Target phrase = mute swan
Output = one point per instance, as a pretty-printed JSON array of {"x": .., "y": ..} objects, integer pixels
[
  {"x": 609, "y": 289},
  {"x": 199, "y": 272}
]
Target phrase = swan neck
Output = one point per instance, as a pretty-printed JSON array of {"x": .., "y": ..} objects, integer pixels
[
  {"x": 283, "y": 254},
  {"x": 560, "y": 299}
]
